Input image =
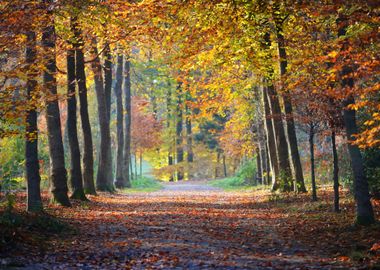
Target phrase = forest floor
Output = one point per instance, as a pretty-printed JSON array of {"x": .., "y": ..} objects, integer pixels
[{"x": 191, "y": 225}]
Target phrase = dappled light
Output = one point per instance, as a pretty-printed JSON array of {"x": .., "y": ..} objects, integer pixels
[{"x": 213, "y": 134}]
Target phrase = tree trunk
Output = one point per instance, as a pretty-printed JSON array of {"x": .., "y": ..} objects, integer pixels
[
  {"x": 75, "y": 164},
  {"x": 259, "y": 173},
  {"x": 290, "y": 126},
  {"x": 224, "y": 165},
  {"x": 285, "y": 173},
  {"x": 168, "y": 125},
  {"x": 189, "y": 146},
  {"x": 141, "y": 160},
  {"x": 364, "y": 210},
  {"x": 179, "y": 133},
  {"x": 120, "y": 182},
  {"x": 88, "y": 148},
  {"x": 107, "y": 68},
  {"x": 217, "y": 164},
  {"x": 335, "y": 173},
  {"x": 103, "y": 182},
  {"x": 128, "y": 121},
  {"x": 267, "y": 165},
  {"x": 271, "y": 142},
  {"x": 312, "y": 170},
  {"x": 33, "y": 178},
  {"x": 135, "y": 163},
  {"x": 58, "y": 173}
]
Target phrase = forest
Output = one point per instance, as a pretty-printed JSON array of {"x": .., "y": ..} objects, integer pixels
[{"x": 189, "y": 134}]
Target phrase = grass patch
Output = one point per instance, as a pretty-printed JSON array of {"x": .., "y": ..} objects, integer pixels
[
  {"x": 144, "y": 184},
  {"x": 232, "y": 184}
]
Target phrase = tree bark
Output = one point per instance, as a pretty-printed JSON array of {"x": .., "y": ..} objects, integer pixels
[
  {"x": 179, "y": 133},
  {"x": 259, "y": 173},
  {"x": 168, "y": 125},
  {"x": 120, "y": 182},
  {"x": 290, "y": 126},
  {"x": 271, "y": 142},
  {"x": 58, "y": 173},
  {"x": 33, "y": 178},
  {"x": 312, "y": 169},
  {"x": 285, "y": 173},
  {"x": 103, "y": 183},
  {"x": 75, "y": 164},
  {"x": 364, "y": 210},
  {"x": 335, "y": 172},
  {"x": 128, "y": 121},
  {"x": 88, "y": 148},
  {"x": 189, "y": 142},
  {"x": 224, "y": 165}
]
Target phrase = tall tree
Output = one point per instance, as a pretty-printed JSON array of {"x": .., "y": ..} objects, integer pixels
[
  {"x": 290, "y": 126},
  {"x": 271, "y": 141},
  {"x": 168, "y": 126},
  {"x": 128, "y": 120},
  {"x": 88, "y": 148},
  {"x": 364, "y": 210},
  {"x": 189, "y": 135},
  {"x": 58, "y": 173},
  {"x": 33, "y": 178},
  {"x": 103, "y": 182},
  {"x": 179, "y": 127},
  {"x": 75, "y": 162},
  {"x": 285, "y": 174},
  {"x": 120, "y": 182}
]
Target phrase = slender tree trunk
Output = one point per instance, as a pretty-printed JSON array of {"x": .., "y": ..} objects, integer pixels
[
  {"x": 224, "y": 165},
  {"x": 128, "y": 121},
  {"x": 267, "y": 165},
  {"x": 75, "y": 164},
  {"x": 88, "y": 148},
  {"x": 120, "y": 182},
  {"x": 290, "y": 126},
  {"x": 335, "y": 172},
  {"x": 131, "y": 167},
  {"x": 312, "y": 170},
  {"x": 285, "y": 173},
  {"x": 135, "y": 163},
  {"x": 141, "y": 161},
  {"x": 271, "y": 142},
  {"x": 217, "y": 163},
  {"x": 364, "y": 210},
  {"x": 103, "y": 182},
  {"x": 189, "y": 146},
  {"x": 33, "y": 178},
  {"x": 179, "y": 133},
  {"x": 107, "y": 68},
  {"x": 58, "y": 173},
  {"x": 259, "y": 173},
  {"x": 168, "y": 125}
]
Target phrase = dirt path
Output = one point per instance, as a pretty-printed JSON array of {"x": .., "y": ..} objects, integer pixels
[{"x": 183, "y": 226}]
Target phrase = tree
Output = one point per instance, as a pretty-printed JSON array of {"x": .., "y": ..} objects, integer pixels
[
  {"x": 179, "y": 127},
  {"x": 128, "y": 121},
  {"x": 290, "y": 126},
  {"x": 88, "y": 155},
  {"x": 364, "y": 210},
  {"x": 104, "y": 177},
  {"x": 33, "y": 178},
  {"x": 75, "y": 162},
  {"x": 120, "y": 182},
  {"x": 58, "y": 173}
]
